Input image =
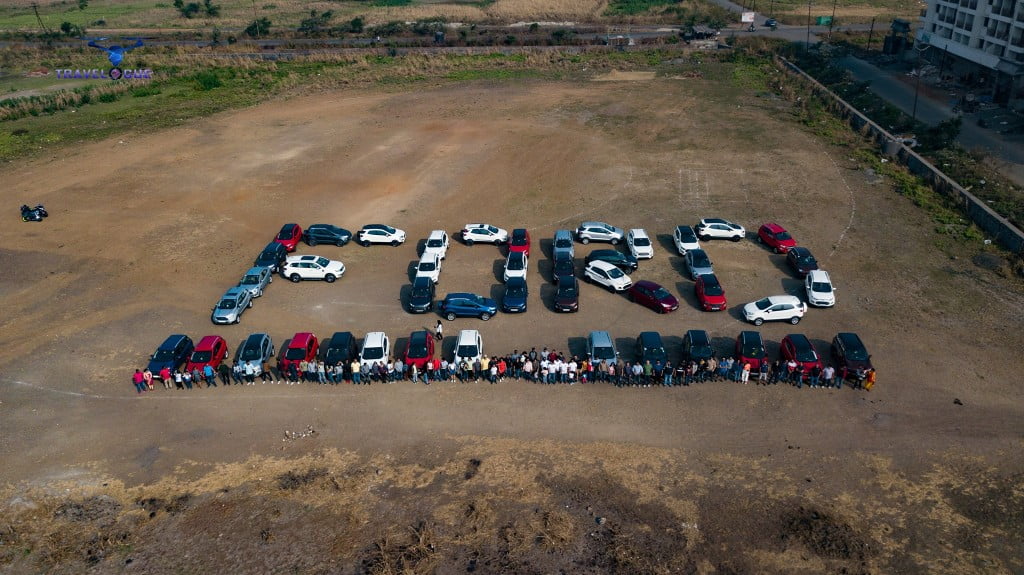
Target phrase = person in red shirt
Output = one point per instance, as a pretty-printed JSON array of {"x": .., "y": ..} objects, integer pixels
[
  {"x": 165, "y": 374},
  {"x": 139, "y": 381}
]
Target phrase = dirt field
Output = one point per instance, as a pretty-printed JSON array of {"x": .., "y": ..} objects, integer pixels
[{"x": 147, "y": 230}]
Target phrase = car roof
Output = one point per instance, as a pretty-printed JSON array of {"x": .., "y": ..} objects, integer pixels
[
  {"x": 377, "y": 227},
  {"x": 255, "y": 338},
  {"x": 819, "y": 275},
  {"x": 340, "y": 336},
  {"x": 288, "y": 226},
  {"x": 798, "y": 340},
  {"x": 274, "y": 246},
  {"x": 301, "y": 339},
  {"x": 688, "y": 229},
  {"x": 799, "y": 251},
  {"x": 563, "y": 233},
  {"x": 461, "y": 295},
  {"x": 233, "y": 292},
  {"x": 420, "y": 336},
  {"x": 696, "y": 252},
  {"x": 466, "y": 333},
  {"x": 708, "y": 279},
  {"x": 479, "y": 226},
  {"x": 595, "y": 223},
  {"x": 650, "y": 337},
  {"x": 422, "y": 280},
  {"x": 647, "y": 284},
  {"x": 306, "y": 257},
  {"x": 638, "y": 232},
  {"x": 603, "y": 265},
  {"x": 699, "y": 336},
  {"x": 783, "y": 299},
  {"x": 773, "y": 227},
  {"x": 750, "y": 334},
  {"x": 375, "y": 338},
  {"x": 326, "y": 226},
  {"x": 520, "y": 233},
  {"x": 714, "y": 221},
  {"x": 429, "y": 256},
  {"x": 436, "y": 234},
  {"x": 517, "y": 280},
  {"x": 517, "y": 255},
  {"x": 172, "y": 341},
  {"x": 600, "y": 337},
  {"x": 208, "y": 341},
  {"x": 850, "y": 339},
  {"x": 255, "y": 270}
]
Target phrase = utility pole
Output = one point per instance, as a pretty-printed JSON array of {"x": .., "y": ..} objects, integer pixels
[
  {"x": 807, "y": 45},
  {"x": 871, "y": 33},
  {"x": 771, "y": 11},
  {"x": 255, "y": 19},
  {"x": 35, "y": 9},
  {"x": 917, "y": 85},
  {"x": 831, "y": 21}
]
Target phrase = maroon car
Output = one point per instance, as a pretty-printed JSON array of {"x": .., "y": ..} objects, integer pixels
[{"x": 653, "y": 296}]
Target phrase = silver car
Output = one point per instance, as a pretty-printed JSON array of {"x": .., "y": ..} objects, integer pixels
[
  {"x": 599, "y": 232},
  {"x": 256, "y": 349},
  {"x": 698, "y": 263},
  {"x": 562, "y": 246},
  {"x": 232, "y": 304},
  {"x": 255, "y": 280}
]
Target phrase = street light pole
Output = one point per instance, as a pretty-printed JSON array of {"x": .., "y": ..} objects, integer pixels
[
  {"x": 771, "y": 11},
  {"x": 831, "y": 20},
  {"x": 917, "y": 85},
  {"x": 807, "y": 45}
]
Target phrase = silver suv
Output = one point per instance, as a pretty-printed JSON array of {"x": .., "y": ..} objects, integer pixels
[
  {"x": 599, "y": 232},
  {"x": 562, "y": 245}
]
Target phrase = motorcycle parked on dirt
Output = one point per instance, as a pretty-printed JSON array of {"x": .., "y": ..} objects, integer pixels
[{"x": 35, "y": 214}]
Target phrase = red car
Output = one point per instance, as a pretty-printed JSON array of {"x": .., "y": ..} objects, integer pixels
[
  {"x": 210, "y": 351},
  {"x": 419, "y": 350},
  {"x": 289, "y": 236},
  {"x": 302, "y": 346},
  {"x": 520, "y": 241},
  {"x": 709, "y": 292},
  {"x": 652, "y": 295},
  {"x": 776, "y": 237},
  {"x": 797, "y": 347}
]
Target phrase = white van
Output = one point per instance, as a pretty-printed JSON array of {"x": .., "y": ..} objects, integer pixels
[
  {"x": 376, "y": 348},
  {"x": 429, "y": 266},
  {"x": 469, "y": 346}
]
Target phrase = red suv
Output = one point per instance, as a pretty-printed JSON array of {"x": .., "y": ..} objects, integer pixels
[
  {"x": 797, "y": 347},
  {"x": 419, "y": 350},
  {"x": 776, "y": 237},
  {"x": 750, "y": 349},
  {"x": 210, "y": 351},
  {"x": 709, "y": 292},
  {"x": 289, "y": 236},
  {"x": 520, "y": 241},
  {"x": 302, "y": 346}
]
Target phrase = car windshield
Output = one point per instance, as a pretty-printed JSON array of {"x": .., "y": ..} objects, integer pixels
[
  {"x": 226, "y": 304},
  {"x": 518, "y": 240},
  {"x": 467, "y": 351},
  {"x": 806, "y": 259},
  {"x": 373, "y": 353},
  {"x": 856, "y": 353},
  {"x": 516, "y": 263},
  {"x": 804, "y": 353},
  {"x": 821, "y": 287},
  {"x": 752, "y": 349},
  {"x": 700, "y": 260},
  {"x": 713, "y": 288},
  {"x": 567, "y": 289},
  {"x": 700, "y": 351},
  {"x": 641, "y": 242},
  {"x": 286, "y": 234},
  {"x": 251, "y": 279},
  {"x": 334, "y": 354},
  {"x": 563, "y": 243},
  {"x": 323, "y": 262},
  {"x": 662, "y": 293},
  {"x": 515, "y": 291},
  {"x": 615, "y": 273},
  {"x": 419, "y": 350},
  {"x": 388, "y": 229},
  {"x": 295, "y": 353},
  {"x": 763, "y": 304},
  {"x": 435, "y": 243},
  {"x": 427, "y": 267},
  {"x": 491, "y": 229},
  {"x": 655, "y": 353},
  {"x": 250, "y": 353},
  {"x": 201, "y": 356},
  {"x": 604, "y": 353},
  {"x": 163, "y": 355},
  {"x": 783, "y": 236}
]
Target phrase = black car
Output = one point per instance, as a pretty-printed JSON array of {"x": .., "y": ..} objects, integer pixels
[
  {"x": 697, "y": 345},
  {"x": 801, "y": 260},
  {"x": 625, "y": 262},
  {"x": 849, "y": 354},
  {"x": 172, "y": 354},
  {"x": 567, "y": 298},
  {"x": 421, "y": 298},
  {"x": 514, "y": 300},
  {"x": 650, "y": 347},
  {"x": 326, "y": 234},
  {"x": 272, "y": 257},
  {"x": 341, "y": 348},
  {"x": 564, "y": 267}
]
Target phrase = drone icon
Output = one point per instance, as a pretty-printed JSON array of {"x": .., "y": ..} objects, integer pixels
[{"x": 116, "y": 52}]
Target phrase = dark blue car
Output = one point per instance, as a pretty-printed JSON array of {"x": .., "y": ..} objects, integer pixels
[
  {"x": 514, "y": 300},
  {"x": 172, "y": 354},
  {"x": 467, "y": 305}
]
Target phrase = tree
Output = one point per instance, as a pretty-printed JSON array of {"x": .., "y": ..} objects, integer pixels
[
  {"x": 258, "y": 28},
  {"x": 941, "y": 135},
  {"x": 315, "y": 23},
  {"x": 83, "y": 4},
  {"x": 187, "y": 10},
  {"x": 73, "y": 30},
  {"x": 212, "y": 10},
  {"x": 356, "y": 25}
]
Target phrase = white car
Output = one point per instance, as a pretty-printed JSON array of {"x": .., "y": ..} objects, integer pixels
[
  {"x": 437, "y": 243},
  {"x": 719, "y": 229},
  {"x": 376, "y": 348},
  {"x": 607, "y": 275},
  {"x": 599, "y": 232},
  {"x": 485, "y": 233},
  {"x": 640, "y": 244},
  {"x": 380, "y": 234},
  {"x": 686, "y": 239},
  {"x": 516, "y": 265},
  {"x": 298, "y": 268},
  {"x": 469, "y": 347},
  {"x": 820, "y": 291},
  {"x": 429, "y": 266},
  {"x": 775, "y": 308}
]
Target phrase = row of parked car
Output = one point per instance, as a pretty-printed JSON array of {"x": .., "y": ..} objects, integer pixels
[{"x": 178, "y": 351}]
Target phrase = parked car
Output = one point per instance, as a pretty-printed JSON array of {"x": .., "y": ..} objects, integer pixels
[
  {"x": 326, "y": 234},
  {"x": 567, "y": 297},
  {"x": 483, "y": 233},
  {"x": 210, "y": 351},
  {"x": 419, "y": 349},
  {"x": 771, "y": 23},
  {"x": 467, "y": 305},
  {"x": 649, "y": 347},
  {"x": 256, "y": 280},
  {"x": 172, "y": 354},
  {"x": 797, "y": 347},
  {"x": 520, "y": 241},
  {"x": 429, "y": 266},
  {"x": 849, "y": 354},
  {"x": 341, "y": 349},
  {"x": 298, "y": 268},
  {"x": 719, "y": 229},
  {"x": 625, "y": 262},
  {"x": 710, "y": 294},
  {"x": 376, "y": 348},
  {"x": 820, "y": 291},
  {"x": 421, "y": 298},
  {"x": 516, "y": 265},
  {"x": 516, "y": 292},
  {"x": 469, "y": 346},
  {"x": 380, "y": 234},
  {"x": 272, "y": 256},
  {"x": 289, "y": 236},
  {"x": 698, "y": 263},
  {"x": 801, "y": 260},
  {"x": 232, "y": 304},
  {"x": 564, "y": 267},
  {"x": 302, "y": 346},
  {"x": 640, "y": 244},
  {"x": 600, "y": 347},
  {"x": 685, "y": 239},
  {"x": 653, "y": 296},
  {"x": 776, "y": 237},
  {"x": 599, "y": 232},
  {"x": 697, "y": 345},
  {"x": 606, "y": 274},
  {"x": 256, "y": 349},
  {"x": 437, "y": 243},
  {"x": 562, "y": 246},
  {"x": 775, "y": 308},
  {"x": 750, "y": 349}
]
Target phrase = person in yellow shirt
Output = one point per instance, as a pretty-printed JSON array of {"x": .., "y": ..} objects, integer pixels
[{"x": 869, "y": 381}]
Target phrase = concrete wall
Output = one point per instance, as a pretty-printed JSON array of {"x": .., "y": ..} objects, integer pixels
[{"x": 994, "y": 225}]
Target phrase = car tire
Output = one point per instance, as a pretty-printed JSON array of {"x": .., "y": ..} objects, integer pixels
[
  {"x": 584, "y": 241},
  {"x": 736, "y": 239},
  {"x": 778, "y": 250},
  {"x": 329, "y": 278},
  {"x": 485, "y": 316},
  {"x": 450, "y": 316},
  {"x": 469, "y": 242},
  {"x": 250, "y": 303},
  {"x": 794, "y": 320},
  {"x": 615, "y": 242},
  {"x": 340, "y": 243},
  {"x": 760, "y": 240},
  {"x": 364, "y": 243},
  {"x": 394, "y": 243},
  {"x": 296, "y": 278},
  {"x": 758, "y": 321},
  {"x": 705, "y": 238},
  {"x": 311, "y": 242},
  {"x": 270, "y": 280},
  {"x": 259, "y": 294}
]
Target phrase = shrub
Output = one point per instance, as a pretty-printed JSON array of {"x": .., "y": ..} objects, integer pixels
[
  {"x": 258, "y": 27},
  {"x": 207, "y": 80},
  {"x": 108, "y": 97},
  {"x": 212, "y": 10},
  {"x": 356, "y": 25},
  {"x": 315, "y": 23}
]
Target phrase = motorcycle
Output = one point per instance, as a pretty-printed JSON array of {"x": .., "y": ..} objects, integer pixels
[
  {"x": 751, "y": 28},
  {"x": 35, "y": 214}
]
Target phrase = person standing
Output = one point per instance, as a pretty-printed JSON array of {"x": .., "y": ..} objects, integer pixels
[
  {"x": 197, "y": 377},
  {"x": 225, "y": 373},
  {"x": 147, "y": 378},
  {"x": 439, "y": 331},
  {"x": 869, "y": 379},
  {"x": 186, "y": 378},
  {"x": 321, "y": 372},
  {"x": 166, "y": 377},
  {"x": 139, "y": 381},
  {"x": 745, "y": 374},
  {"x": 265, "y": 373},
  {"x": 827, "y": 375},
  {"x": 210, "y": 376},
  {"x": 762, "y": 372},
  {"x": 250, "y": 373},
  {"x": 179, "y": 379},
  {"x": 815, "y": 375}
]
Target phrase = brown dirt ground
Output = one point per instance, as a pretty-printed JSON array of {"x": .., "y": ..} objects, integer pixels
[{"x": 147, "y": 230}]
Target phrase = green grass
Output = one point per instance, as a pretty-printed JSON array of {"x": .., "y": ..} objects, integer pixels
[
  {"x": 632, "y": 7},
  {"x": 499, "y": 74},
  {"x": 15, "y": 17}
]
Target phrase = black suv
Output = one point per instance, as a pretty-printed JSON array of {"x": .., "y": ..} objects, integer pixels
[
  {"x": 421, "y": 298},
  {"x": 697, "y": 345},
  {"x": 649, "y": 347},
  {"x": 326, "y": 234},
  {"x": 564, "y": 266},
  {"x": 341, "y": 348},
  {"x": 272, "y": 257},
  {"x": 171, "y": 354},
  {"x": 567, "y": 298},
  {"x": 849, "y": 353},
  {"x": 625, "y": 262}
]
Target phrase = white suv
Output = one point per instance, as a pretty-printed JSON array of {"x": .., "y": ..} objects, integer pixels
[
  {"x": 820, "y": 291},
  {"x": 437, "y": 243},
  {"x": 516, "y": 265},
  {"x": 685, "y": 239},
  {"x": 599, "y": 232},
  {"x": 485, "y": 233},
  {"x": 719, "y": 229},
  {"x": 376, "y": 348},
  {"x": 607, "y": 275},
  {"x": 469, "y": 347},
  {"x": 640, "y": 244},
  {"x": 298, "y": 268},
  {"x": 429, "y": 266},
  {"x": 775, "y": 308}
]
